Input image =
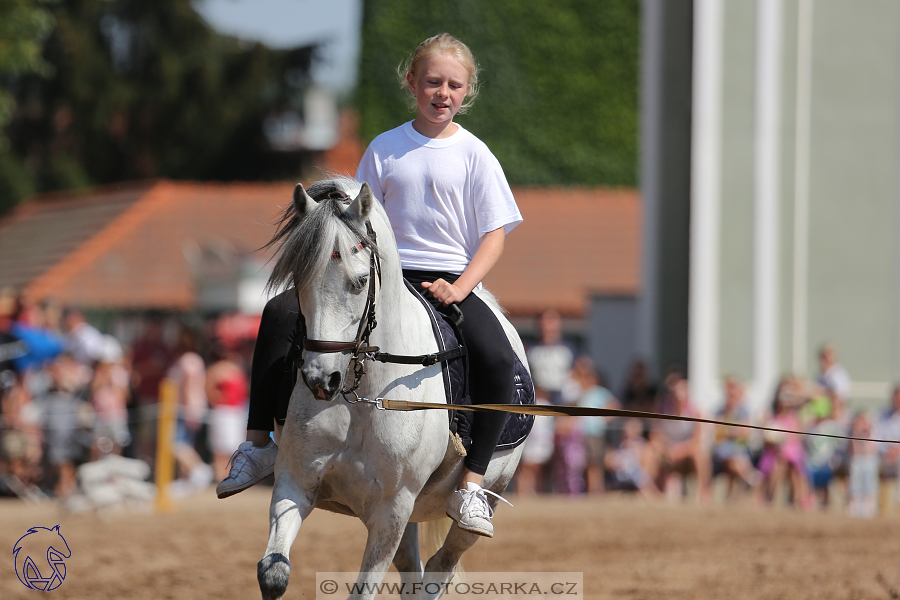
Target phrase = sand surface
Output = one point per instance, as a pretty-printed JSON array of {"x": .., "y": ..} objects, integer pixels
[{"x": 626, "y": 548}]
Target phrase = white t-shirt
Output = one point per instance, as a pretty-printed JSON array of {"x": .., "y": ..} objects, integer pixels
[
  {"x": 550, "y": 365},
  {"x": 441, "y": 195}
]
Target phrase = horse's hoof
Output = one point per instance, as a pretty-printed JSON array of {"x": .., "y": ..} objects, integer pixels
[{"x": 272, "y": 572}]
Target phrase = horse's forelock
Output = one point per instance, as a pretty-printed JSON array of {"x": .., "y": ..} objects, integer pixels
[{"x": 307, "y": 243}]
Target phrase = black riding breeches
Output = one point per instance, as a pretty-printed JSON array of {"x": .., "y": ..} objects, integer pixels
[
  {"x": 491, "y": 365},
  {"x": 271, "y": 376}
]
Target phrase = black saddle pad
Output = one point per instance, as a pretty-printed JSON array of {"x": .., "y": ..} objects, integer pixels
[{"x": 455, "y": 374}]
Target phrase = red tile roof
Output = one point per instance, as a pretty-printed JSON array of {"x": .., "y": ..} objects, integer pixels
[
  {"x": 48, "y": 228},
  {"x": 572, "y": 243},
  {"x": 137, "y": 261},
  {"x": 124, "y": 246}
]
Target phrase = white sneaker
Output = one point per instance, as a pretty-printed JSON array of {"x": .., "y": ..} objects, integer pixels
[
  {"x": 472, "y": 511},
  {"x": 249, "y": 465}
]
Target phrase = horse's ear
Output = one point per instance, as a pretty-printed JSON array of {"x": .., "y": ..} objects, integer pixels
[
  {"x": 359, "y": 209},
  {"x": 303, "y": 204}
]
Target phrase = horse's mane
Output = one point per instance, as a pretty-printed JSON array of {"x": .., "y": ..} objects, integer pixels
[{"x": 308, "y": 241}]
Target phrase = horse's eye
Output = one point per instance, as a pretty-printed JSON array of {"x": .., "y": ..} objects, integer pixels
[{"x": 360, "y": 284}]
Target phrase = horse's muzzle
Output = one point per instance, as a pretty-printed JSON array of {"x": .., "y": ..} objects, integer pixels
[{"x": 325, "y": 386}]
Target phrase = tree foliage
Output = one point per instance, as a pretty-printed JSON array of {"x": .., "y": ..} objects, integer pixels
[
  {"x": 24, "y": 25},
  {"x": 143, "y": 89},
  {"x": 559, "y": 101}
]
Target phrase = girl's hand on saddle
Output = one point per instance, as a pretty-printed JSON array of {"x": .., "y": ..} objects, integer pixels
[{"x": 445, "y": 292}]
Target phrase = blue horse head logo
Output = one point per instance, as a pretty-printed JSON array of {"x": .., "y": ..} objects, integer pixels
[{"x": 40, "y": 558}]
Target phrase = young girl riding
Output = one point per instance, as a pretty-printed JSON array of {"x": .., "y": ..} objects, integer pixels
[{"x": 450, "y": 207}]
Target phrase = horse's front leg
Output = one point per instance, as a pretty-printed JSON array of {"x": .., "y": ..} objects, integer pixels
[
  {"x": 406, "y": 559},
  {"x": 290, "y": 506},
  {"x": 387, "y": 525}
]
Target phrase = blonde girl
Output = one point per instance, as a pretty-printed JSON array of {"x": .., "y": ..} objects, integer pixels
[{"x": 450, "y": 207}]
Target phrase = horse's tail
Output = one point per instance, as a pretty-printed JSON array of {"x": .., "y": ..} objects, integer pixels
[{"x": 433, "y": 535}]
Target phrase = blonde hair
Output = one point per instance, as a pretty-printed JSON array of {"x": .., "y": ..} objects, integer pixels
[{"x": 443, "y": 43}]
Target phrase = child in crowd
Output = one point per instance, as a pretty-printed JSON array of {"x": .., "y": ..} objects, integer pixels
[
  {"x": 863, "y": 500},
  {"x": 593, "y": 429},
  {"x": 823, "y": 454},
  {"x": 730, "y": 450},
  {"x": 783, "y": 457},
  {"x": 628, "y": 464}
]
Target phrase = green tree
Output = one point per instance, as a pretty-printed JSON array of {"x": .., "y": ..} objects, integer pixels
[
  {"x": 559, "y": 101},
  {"x": 144, "y": 89},
  {"x": 24, "y": 25}
]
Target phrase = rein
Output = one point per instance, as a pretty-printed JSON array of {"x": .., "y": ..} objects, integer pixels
[{"x": 585, "y": 411}]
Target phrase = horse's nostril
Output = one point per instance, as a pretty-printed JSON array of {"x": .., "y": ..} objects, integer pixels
[{"x": 334, "y": 382}]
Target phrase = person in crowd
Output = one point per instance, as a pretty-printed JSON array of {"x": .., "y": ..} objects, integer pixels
[
  {"x": 110, "y": 394},
  {"x": 783, "y": 457},
  {"x": 731, "y": 445},
  {"x": 832, "y": 376},
  {"x": 824, "y": 455},
  {"x": 630, "y": 463},
  {"x": 887, "y": 427},
  {"x": 227, "y": 389},
  {"x": 639, "y": 392},
  {"x": 85, "y": 342},
  {"x": 36, "y": 344},
  {"x": 151, "y": 358},
  {"x": 188, "y": 373},
  {"x": 680, "y": 446},
  {"x": 863, "y": 485},
  {"x": 11, "y": 347},
  {"x": 531, "y": 476},
  {"x": 593, "y": 429},
  {"x": 66, "y": 424},
  {"x": 569, "y": 457},
  {"x": 21, "y": 437},
  {"x": 551, "y": 359}
]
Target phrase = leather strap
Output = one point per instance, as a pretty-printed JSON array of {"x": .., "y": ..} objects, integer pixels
[
  {"x": 426, "y": 360},
  {"x": 585, "y": 411},
  {"x": 327, "y": 346}
]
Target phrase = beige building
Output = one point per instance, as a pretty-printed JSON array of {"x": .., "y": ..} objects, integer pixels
[{"x": 784, "y": 236}]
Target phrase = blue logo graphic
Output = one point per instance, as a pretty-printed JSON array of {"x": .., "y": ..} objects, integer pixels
[{"x": 40, "y": 558}]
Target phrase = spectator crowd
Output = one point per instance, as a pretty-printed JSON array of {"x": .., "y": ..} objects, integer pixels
[
  {"x": 656, "y": 457},
  {"x": 71, "y": 394}
]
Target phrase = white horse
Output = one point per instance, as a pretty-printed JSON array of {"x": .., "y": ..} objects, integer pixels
[{"x": 390, "y": 469}]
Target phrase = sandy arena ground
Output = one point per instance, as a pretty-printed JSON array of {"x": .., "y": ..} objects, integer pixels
[{"x": 626, "y": 548}]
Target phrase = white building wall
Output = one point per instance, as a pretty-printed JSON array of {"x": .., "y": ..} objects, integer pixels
[{"x": 813, "y": 256}]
